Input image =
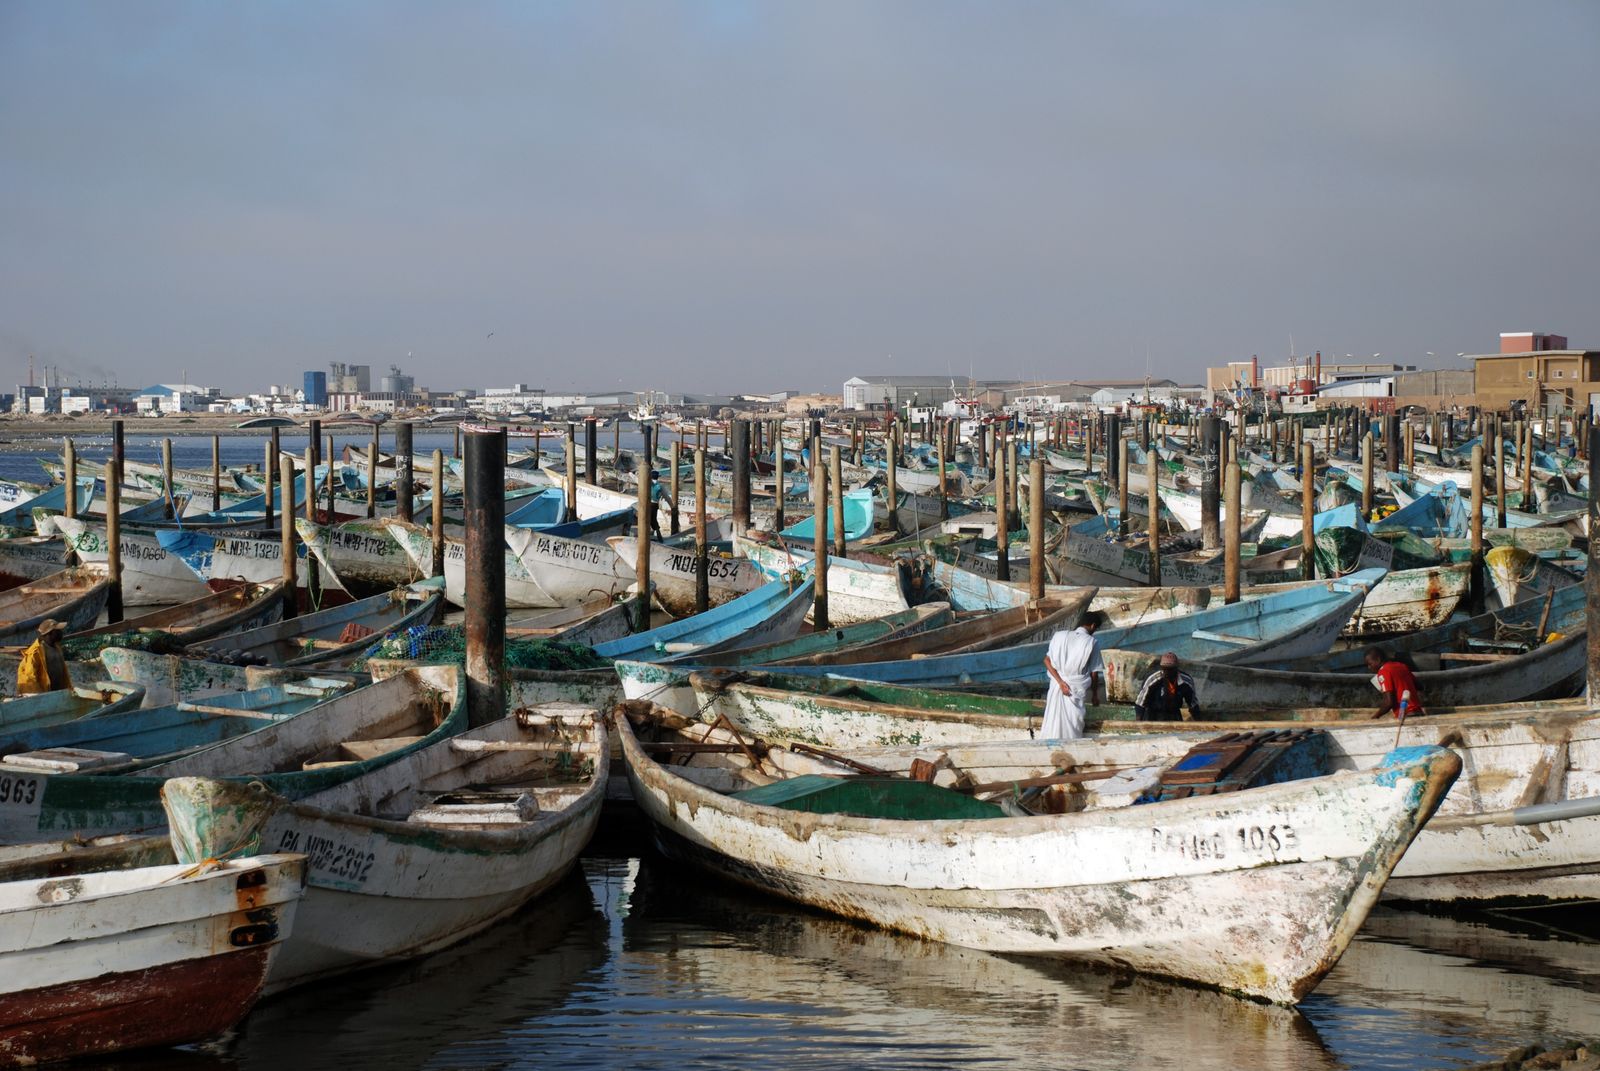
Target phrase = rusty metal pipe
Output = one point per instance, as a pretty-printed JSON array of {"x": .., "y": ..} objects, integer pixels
[{"x": 486, "y": 577}]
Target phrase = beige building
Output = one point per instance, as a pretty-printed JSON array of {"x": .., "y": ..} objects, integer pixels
[{"x": 1540, "y": 370}]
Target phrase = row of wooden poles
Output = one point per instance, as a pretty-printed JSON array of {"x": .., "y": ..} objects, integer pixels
[{"x": 484, "y": 487}]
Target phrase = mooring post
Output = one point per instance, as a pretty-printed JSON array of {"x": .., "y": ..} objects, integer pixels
[
  {"x": 1013, "y": 471},
  {"x": 641, "y": 539},
  {"x": 372, "y": 474},
  {"x": 1591, "y": 577},
  {"x": 702, "y": 564},
  {"x": 1002, "y": 509},
  {"x": 741, "y": 479},
  {"x": 113, "y": 473},
  {"x": 591, "y": 451},
  {"x": 1211, "y": 477},
  {"x": 1366, "y": 476},
  {"x": 1124, "y": 523},
  {"x": 403, "y": 478},
  {"x": 836, "y": 465},
  {"x": 1155, "y": 517},
  {"x": 819, "y": 543},
  {"x": 781, "y": 465},
  {"x": 1308, "y": 508},
  {"x": 674, "y": 483},
  {"x": 892, "y": 469},
  {"x": 438, "y": 512},
  {"x": 69, "y": 460},
  {"x": 286, "y": 547},
  {"x": 1036, "y": 569},
  {"x": 944, "y": 477},
  {"x": 1231, "y": 533},
  {"x": 216, "y": 473},
  {"x": 273, "y": 454},
  {"x": 314, "y": 458},
  {"x": 571, "y": 445},
  {"x": 1499, "y": 474},
  {"x": 166, "y": 478},
  {"x": 330, "y": 479},
  {"x": 1530, "y": 503},
  {"x": 485, "y": 517},
  {"x": 1477, "y": 580}
]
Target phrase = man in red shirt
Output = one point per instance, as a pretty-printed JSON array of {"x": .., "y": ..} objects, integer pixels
[{"x": 1401, "y": 694}]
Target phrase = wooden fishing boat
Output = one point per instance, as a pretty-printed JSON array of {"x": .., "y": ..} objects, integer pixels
[
  {"x": 18, "y": 520},
  {"x": 150, "y": 576},
  {"x": 257, "y": 558},
  {"x": 1273, "y": 881},
  {"x": 521, "y": 591},
  {"x": 1305, "y": 621},
  {"x": 768, "y": 614},
  {"x": 330, "y": 743},
  {"x": 67, "y": 704},
  {"x": 414, "y": 856},
  {"x": 672, "y": 573},
  {"x": 588, "y": 623},
  {"x": 916, "y": 620},
  {"x": 1534, "y": 650},
  {"x": 233, "y": 609},
  {"x": 75, "y": 597},
  {"x": 329, "y": 635},
  {"x": 28, "y": 558},
  {"x": 362, "y": 556},
  {"x": 857, "y": 590},
  {"x": 858, "y": 518},
  {"x": 168, "y": 678},
  {"x": 1525, "y": 765},
  {"x": 1516, "y": 575},
  {"x": 130, "y": 959}
]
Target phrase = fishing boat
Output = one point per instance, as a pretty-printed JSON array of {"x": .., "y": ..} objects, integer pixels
[
  {"x": 414, "y": 856},
  {"x": 917, "y": 619},
  {"x": 28, "y": 558},
  {"x": 42, "y": 709},
  {"x": 75, "y": 597},
  {"x": 857, "y": 590},
  {"x": 329, "y": 635},
  {"x": 858, "y": 518},
  {"x": 319, "y": 748},
  {"x": 257, "y": 558},
  {"x": 522, "y": 593},
  {"x": 770, "y": 613},
  {"x": 588, "y": 623},
  {"x": 1273, "y": 882},
  {"x": 363, "y": 557},
  {"x": 170, "y": 678},
  {"x": 129, "y": 959},
  {"x": 233, "y": 609},
  {"x": 150, "y": 576},
  {"x": 1516, "y": 574},
  {"x": 673, "y": 573}
]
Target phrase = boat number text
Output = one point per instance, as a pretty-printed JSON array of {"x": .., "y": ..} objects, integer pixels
[
  {"x": 20, "y": 791},
  {"x": 1248, "y": 840},
  {"x": 329, "y": 857}
]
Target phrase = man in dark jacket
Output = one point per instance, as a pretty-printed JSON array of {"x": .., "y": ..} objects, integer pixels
[{"x": 1166, "y": 692}]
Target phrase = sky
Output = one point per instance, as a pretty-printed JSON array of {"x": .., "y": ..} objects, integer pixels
[{"x": 729, "y": 197}]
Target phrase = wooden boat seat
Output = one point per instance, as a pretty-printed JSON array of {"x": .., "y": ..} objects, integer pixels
[
  {"x": 66, "y": 760},
  {"x": 363, "y": 750}
]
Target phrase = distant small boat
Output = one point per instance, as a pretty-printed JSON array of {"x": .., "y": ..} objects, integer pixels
[{"x": 130, "y": 959}]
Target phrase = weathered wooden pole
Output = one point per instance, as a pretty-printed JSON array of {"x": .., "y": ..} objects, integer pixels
[
  {"x": 1231, "y": 532},
  {"x": 372, "y": 473},
  {"x": 674, "y": 482},
  {"x": 779, "y": 470},
  {"x": 1308, "y": 508},
  {"x": 166, "y": 478},
  {"x": 1211, "y": 477},
  {"x": 641, "y": 565},
  {"x": 1036, "y": 570},
  {"x": 1366, "y": 476},
  {"x": 892, "y": 469},
  {"x": 272, "y": 466},
  {"x": 314, "y": 452},
  {"x": 702, "y": 575},
  {"x": 485, "y": 516},
  {"x": 1478, "y": 590},
  {"x": 1013, "y": 471},
  {"x": 438, "y": 512},
  {"x": 1154, "y": 494},
  {"x": 286, "y": 547},
  {"x": 944, "y": 481},
  {"x": 819, "y": 544},
  {"x": 403, "y": 481},
  {"x": 313, "y": 577},
  {"x": 741, "y": 478},
  {"x": 1499, "y": 475},
  {"x": 1591, "y": 577},
  {"x": 69, "y": 460},
  {"x": 616, "y": 449},
  {"x": 836, "y": 481},
  {"x": 216, "y": 473},
  {"x": 330, "y": 479},
  {"x": 113, "y": 471},
  {"x": 1530, "y": 502},
  {"x": 1411, "y": 446},
  {"x": 457, "y": 447},
  {"x": 1124, "y": 523},
  {"x": 591, "y": 451},
  {"x": 1002, "y": 510}
]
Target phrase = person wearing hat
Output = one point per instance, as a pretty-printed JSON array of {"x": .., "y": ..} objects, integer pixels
[
  {"x": 1166, "y": 693},
  {"x": 1076, "y": 670},
  {"x": 44, "y": 665}
]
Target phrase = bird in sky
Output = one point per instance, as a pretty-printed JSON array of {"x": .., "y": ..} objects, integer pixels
[{"x": 489, "y": 335}]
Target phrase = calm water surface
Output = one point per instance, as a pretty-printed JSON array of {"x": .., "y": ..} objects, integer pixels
[{"x": 636, "y": 963}]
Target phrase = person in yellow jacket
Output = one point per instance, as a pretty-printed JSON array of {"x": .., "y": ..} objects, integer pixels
[{"x": 44, "y": 664}]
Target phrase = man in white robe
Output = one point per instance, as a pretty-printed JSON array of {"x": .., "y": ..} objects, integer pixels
[{"x": 1075, "y": 669}]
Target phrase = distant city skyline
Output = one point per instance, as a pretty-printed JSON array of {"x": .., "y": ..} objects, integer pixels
[{"x": 726, "y": 196}]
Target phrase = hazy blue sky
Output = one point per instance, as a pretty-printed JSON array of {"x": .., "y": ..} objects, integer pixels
[{"x": 743, "y": 196}]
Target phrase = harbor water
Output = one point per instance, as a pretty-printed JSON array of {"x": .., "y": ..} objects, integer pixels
[{"x": 635, "y": 963}]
